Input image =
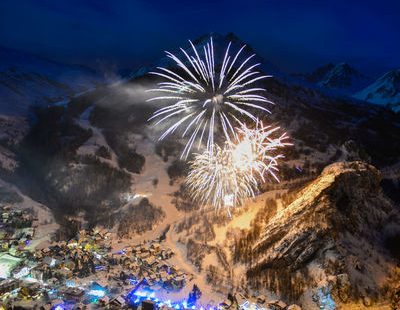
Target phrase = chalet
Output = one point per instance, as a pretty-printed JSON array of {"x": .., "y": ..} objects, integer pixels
[
  {"x": 150, "y": 262},
  {"x": 261, "y": 299},
  {"x": 8, "y": 285},
  {"x": 104, "y": 301},
  {"x": 144, "y": 255},
  {"x": 155, "y": 245},
  {"x": 179, "y": 281},
  {"x": 74, "y": 293},
  {"x": 148, "y": 305},
  {"x": 118, "y": 302},
  {"x": 277, "y": 304}
]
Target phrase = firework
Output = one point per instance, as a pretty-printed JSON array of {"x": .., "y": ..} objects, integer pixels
[
  {"x": 256, "y": 150},
  {"x": 215, "y": 180},
  {"x": 228, "y": 176},
  {"x": 204, "y": 97}
]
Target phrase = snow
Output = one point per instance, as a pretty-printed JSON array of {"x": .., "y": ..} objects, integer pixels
[
  {"x": 47, "y": 226},
  {"x": 344, "y": 78},
  {"x": 384, "y": 91},
  {"x": 12, "y": 131},
  {"x": 27, "y": 80},
  {"x": 95, "y": 141}
]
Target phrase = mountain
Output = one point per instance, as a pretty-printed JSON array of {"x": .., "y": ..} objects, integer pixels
[
  {"x": 318, "y": 74},
  {"x": 384, "y": 91},
  {"x": 220, "y": 43},
  {"x": 341, "y": 77},
  {"x": 27, "y": 80},
  {"x": 340, "y": 225},
  {"x": 90, "y": 159}
]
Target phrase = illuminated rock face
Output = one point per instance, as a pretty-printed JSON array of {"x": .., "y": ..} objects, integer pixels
[{"x": 335, "y": 226}]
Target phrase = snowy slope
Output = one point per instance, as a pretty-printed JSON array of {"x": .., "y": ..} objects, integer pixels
[
  {"x": 384, "y": 91},
  {"x": 341, "y": 77},
  {"x": 345, "y": 78},
  {"x": 27, "y": 80}
]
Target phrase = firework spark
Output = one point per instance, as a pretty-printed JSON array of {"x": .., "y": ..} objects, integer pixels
[
  {"x": 206, "y": 97},
  {"x": 256, "y": 150},
  {"x": 215, "y": 180},
  {"x": 228, "y": 176}
]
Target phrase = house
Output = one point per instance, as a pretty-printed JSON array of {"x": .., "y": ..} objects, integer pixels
[
  {"x": 150, "y": 261},
  {"x": 118, "y": 302},
  {"x": 74, "y": 293},
  {"x": 226, "y": 304},
  {"x": 261, "y": 299},
  {"x": 179, "y": 281},
  {"x": 148, "y": 305},
  {"x": 8, "y": 285},
  {"x": 104, "y": 301},
  {"x": 278, "y": 304},
  {"x": 144, "y": 255},
  {"x": 49, "y": 261},
  {"x": 166, "y": 254}
]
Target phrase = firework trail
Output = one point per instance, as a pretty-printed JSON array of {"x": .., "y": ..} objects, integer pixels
[
  {"x": 215, "y": 180},
  {"x": 205, "y": 97},
  {"x": 230, "y": 175}
]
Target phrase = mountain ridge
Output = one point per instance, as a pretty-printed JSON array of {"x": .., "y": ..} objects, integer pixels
[{"x": 27, "y": 80}]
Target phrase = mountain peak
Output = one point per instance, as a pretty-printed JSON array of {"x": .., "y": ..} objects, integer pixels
[
  {"x": 220, "y": 44},
  {"x": 384, "y": 91},
  {"x": 344, "y": 77},
  {"x": 341, "y": 76},
  {"x": 28, "y": 80}
]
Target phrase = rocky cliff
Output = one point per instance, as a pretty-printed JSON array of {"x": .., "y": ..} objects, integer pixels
[{"x": 333, "y": 236}]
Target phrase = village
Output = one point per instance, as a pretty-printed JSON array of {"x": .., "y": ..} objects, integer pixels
[{"x": 85, "y": 272}]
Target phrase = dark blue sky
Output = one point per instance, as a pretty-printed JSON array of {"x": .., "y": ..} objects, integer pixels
[{"x": 294, "y": 35}]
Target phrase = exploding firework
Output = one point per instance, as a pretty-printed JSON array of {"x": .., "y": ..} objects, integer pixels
[
  {"x": 206, "y": 97},
  {"x": 256, "y": 150},
  {"x": 228, "y": 176},
  {"x": 215, "y": 180}
]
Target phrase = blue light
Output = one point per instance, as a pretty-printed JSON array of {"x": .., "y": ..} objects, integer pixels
[
  {"x": 97, "y": 293},
  {"x": 140, "y": 294},
  {"x": 70, "y": 283},
  {"x": 177, "y": 307},
  {"x": 325, "y": 300}
]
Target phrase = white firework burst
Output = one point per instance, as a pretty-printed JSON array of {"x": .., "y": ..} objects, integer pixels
[
  {"x": 205, "y": 97},
  {"x": 215, "y": 180},
  {"x": 228, "y": 176},
  {"x": 256, "y": 150}
]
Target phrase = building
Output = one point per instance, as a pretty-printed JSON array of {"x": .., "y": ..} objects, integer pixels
[{"x": 148, "y": 305}]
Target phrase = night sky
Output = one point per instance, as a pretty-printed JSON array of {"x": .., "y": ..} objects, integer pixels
[{"x": 294, "y": 35}]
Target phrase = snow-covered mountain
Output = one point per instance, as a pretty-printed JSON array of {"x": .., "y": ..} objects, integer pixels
[
  {"x": 27, "y": 80},
  {"x": 83, "y": 159},
  {"x": 337, "y": 224},
  {"x": 384, "y": 91},
  {"x": 341, "y": 77}
]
